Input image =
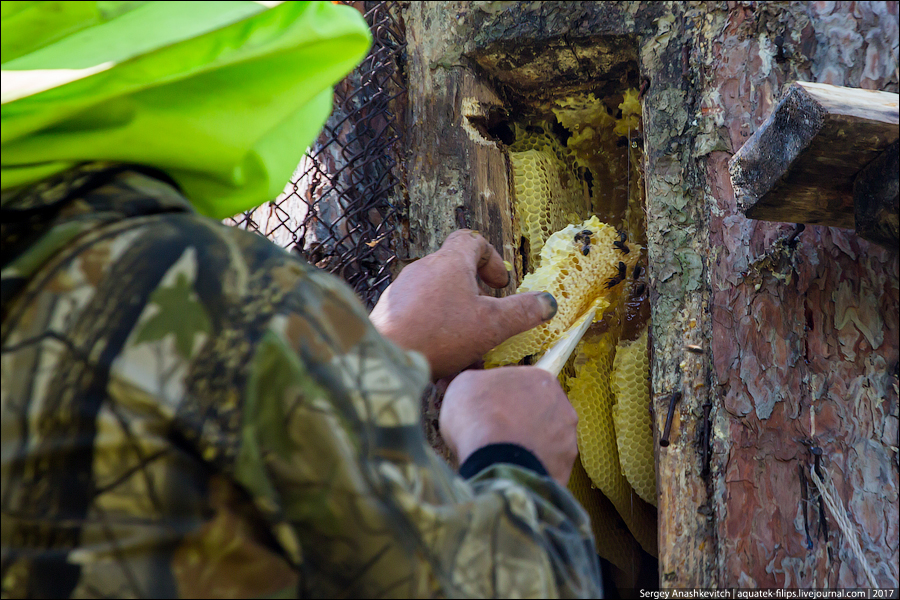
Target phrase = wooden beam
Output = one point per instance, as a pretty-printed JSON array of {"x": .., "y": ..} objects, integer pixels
[{"x": 800, "y": 166}]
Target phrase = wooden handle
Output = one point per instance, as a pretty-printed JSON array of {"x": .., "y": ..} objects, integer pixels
[{"x": 554, "y": 359}]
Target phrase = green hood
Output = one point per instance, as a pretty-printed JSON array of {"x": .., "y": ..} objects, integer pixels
[{"x": 225, "y": 97}]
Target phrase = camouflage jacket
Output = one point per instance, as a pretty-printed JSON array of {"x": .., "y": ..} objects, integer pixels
[{"x": 190, "y": 411}]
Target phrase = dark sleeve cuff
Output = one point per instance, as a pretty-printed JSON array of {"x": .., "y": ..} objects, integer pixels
[{"x": 492, "y": 454}]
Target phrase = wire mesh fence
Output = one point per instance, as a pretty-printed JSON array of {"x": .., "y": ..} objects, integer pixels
[{"x": 344, "y": 209}]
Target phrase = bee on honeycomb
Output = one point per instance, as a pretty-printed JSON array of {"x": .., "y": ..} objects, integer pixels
[{"x": 619, "y": 278}]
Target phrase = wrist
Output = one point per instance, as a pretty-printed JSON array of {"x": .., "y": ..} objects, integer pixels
[{"x": 505, "y": 453}]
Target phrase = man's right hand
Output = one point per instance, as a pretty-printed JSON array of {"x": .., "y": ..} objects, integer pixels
[{"x": 516, "y": 405}]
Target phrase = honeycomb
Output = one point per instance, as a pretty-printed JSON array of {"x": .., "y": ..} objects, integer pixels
[
  {"x": 612, "y": 538},
  {"x": 589, "y": 122},
  {"x": 634, "y": 433},
  {"x": 541, "y": 173},
  {"x": 631, "y": 113},
  {"x": 591, "y": 394},
  {"x": 627, "y": 126},
  {"x": 537, "y": 178},
  {"x": 535, "y": 136},
  {"x": 577, "y": 274},
  {"x": 565, "y": 185},
  {"x": 596, "y": 144}
]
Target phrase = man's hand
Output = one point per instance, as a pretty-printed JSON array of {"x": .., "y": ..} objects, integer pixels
[
  {"x": 434, "y": 306},
  {"x": 516, "y": 405}
]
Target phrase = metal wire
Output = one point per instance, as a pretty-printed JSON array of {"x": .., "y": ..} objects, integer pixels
[{"x": 345, "y": 207}]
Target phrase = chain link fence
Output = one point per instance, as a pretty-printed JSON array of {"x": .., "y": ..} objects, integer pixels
[{"x": 345, "y": 208}]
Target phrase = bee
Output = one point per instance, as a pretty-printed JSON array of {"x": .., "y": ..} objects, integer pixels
[
  {"x": 637, "y": 271},
  {"x": 584, "y": 236},
  {"x": 618, "y": 278},
  {"x": 619, "y": 244}
]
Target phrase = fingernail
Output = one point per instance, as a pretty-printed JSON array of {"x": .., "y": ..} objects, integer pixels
[{"x": 550, "y": 305}]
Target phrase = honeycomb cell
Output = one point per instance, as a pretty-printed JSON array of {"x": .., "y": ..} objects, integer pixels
[{"x": 631, "y": 417}]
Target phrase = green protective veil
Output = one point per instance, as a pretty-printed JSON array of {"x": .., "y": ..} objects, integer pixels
[{"x": 224, "y": 97}]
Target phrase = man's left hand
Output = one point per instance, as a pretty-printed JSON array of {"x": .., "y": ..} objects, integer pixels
[{"x": 434, "y": 306}]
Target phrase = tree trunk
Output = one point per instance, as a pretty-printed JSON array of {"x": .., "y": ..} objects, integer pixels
[{"x": 799, "y": 333}]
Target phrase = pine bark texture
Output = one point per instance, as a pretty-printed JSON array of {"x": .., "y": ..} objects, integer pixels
[
  {"x": 799, "y": 334},
  {"x": 804, "y": 346}
]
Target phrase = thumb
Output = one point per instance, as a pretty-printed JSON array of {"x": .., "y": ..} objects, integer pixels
[{"x": 517, "y": 313}]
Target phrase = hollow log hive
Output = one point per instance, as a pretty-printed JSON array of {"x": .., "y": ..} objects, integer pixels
[{"x": 784, "y": 345}]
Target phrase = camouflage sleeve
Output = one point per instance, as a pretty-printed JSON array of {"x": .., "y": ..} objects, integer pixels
[
  {"x": 386, "y": 516},
  {"x": 188, "y": 410}
]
